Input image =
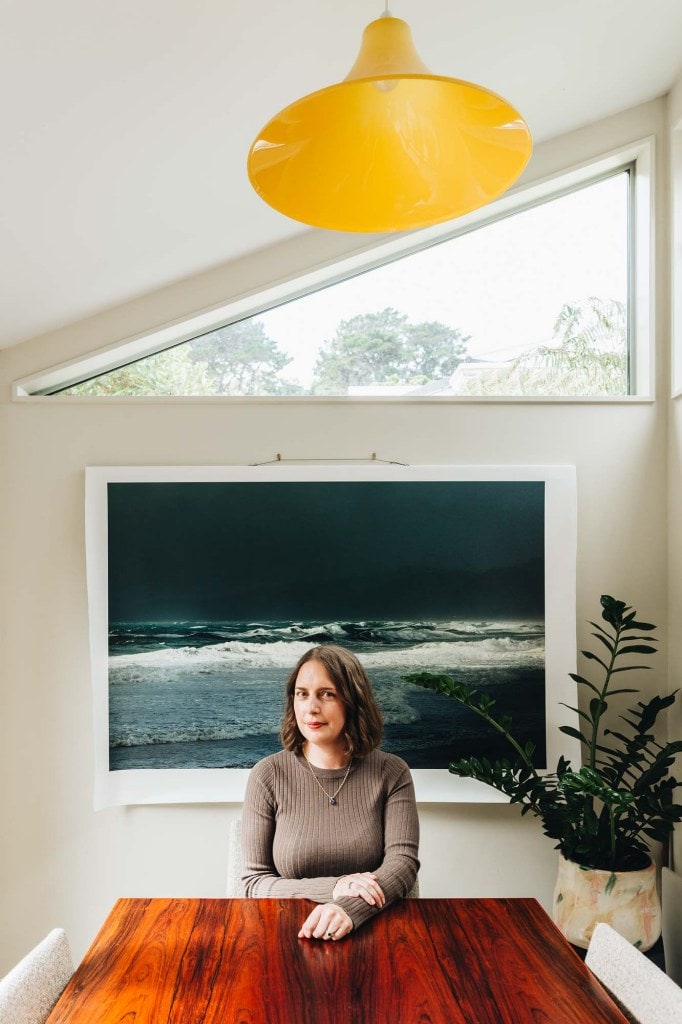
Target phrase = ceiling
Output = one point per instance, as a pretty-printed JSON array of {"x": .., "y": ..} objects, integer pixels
[{"x": 124, "y": 126}]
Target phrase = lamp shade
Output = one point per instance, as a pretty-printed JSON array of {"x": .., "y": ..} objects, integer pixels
[{"x": 392, "y": 147}]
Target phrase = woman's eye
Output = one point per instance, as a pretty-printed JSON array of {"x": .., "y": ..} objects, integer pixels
[{"x": 329, "y": 695}]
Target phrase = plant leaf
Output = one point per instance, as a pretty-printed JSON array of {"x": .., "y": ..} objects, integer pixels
[
  {"x": 593, "y": 657},
  {"x": 597, "y": 707},
  {"x": 585, "y": 682},
  {"x": 568, "y": 730},
  {"x": 583, "y": 714},
  {"x": 607, "y": 643},
  {"x": 601, "y": 629}
]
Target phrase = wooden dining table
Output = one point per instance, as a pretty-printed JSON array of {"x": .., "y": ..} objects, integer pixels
[{"x": 422, "y": 961}]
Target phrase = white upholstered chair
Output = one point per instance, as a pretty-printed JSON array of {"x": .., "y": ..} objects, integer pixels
[
  {"x": 413, "y": 894},
  {"x": 30, "y": 990},
  {"x": 235, "y": 886},
  {"x": 671, "y": 896},
  {"x": 644, "y": 993}
]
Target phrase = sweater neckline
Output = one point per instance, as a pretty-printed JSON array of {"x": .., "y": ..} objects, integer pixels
[{"x": 325, "y": 773}]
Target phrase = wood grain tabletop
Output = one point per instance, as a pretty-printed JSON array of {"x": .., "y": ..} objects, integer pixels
[{"x": 239, "y": 961}]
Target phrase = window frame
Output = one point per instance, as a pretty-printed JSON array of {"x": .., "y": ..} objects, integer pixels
[
  {"x": 638, "y": 157},
  {"x": 676, "y": 260}
]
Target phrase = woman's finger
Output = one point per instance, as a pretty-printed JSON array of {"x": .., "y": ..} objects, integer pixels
[
  {"x": 345, "y": 928},
  {"x": 368, "y": 889},
  {"x": 326, "y": 922},
  {"x": 310, "y": 923},
  {"x": 334, "y": 925},
  {"x": 330, "y": 922}
]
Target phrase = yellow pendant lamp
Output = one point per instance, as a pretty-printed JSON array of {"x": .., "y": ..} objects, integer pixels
[{"x": 391, "y": 147}]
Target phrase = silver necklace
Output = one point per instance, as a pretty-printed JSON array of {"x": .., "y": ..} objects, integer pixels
[{"x": 331, "y": 797}]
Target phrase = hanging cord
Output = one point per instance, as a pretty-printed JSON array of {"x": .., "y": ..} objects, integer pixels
[{"x": 362, "y": 458}]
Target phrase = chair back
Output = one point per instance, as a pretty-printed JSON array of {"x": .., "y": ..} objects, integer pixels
[
  {"x": 235, "y": 886},
  {"x": 671, "y": 898},
  {"x": 30, "y": 990},
  {"x": 644, "y": 993}
]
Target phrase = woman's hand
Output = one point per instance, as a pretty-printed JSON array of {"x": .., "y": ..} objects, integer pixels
[
  {"x": 326, "y": 921},
  {"x": 362, "y": 884}
]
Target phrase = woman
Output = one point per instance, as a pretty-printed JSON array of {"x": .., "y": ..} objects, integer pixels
[{"x": 331, "y": 818}]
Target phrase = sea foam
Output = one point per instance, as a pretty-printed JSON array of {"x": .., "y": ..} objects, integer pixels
[{"x": 217, "y": 659}]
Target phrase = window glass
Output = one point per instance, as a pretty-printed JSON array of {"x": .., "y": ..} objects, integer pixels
[{"x": 532, "y": 304}]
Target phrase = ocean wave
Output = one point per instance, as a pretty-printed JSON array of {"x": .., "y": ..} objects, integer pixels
[
  {"x": 188, "y": 732},
  {"x": 215, "y": 658},
  {"x": 171, "y": 664},
  {"x": 357, "y": 635},
  {"x": 495, "y": 651},
  {"x": 396, "y": 712}
]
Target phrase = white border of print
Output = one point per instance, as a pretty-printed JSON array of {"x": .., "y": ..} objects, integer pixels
[{"x": 224, "y": 785}]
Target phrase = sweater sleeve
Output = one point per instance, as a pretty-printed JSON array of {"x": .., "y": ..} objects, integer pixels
[
  {"x": 380, "y": 812},
  {"x": 397, "y": 872},
  {"x": 259, "y": 876}
]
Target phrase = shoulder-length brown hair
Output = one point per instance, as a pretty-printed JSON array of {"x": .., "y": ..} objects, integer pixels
[{"x": 364, "y": 721}]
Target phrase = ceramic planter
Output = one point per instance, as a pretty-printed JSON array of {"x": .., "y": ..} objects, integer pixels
[{"x": 627, "y": 900}]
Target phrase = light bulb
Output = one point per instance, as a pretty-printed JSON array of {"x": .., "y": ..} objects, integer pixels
[{"x": 386, "y": 84}]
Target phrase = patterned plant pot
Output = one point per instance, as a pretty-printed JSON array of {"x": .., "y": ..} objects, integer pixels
[{"x": 627, "y": 900}]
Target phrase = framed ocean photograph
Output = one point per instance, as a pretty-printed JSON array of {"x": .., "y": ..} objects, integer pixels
[{"x": 206, "y": 584}]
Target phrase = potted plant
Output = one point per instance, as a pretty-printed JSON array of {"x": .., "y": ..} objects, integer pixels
[{"x": 603, "y": 813}]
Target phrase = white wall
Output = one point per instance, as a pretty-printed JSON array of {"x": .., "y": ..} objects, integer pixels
[
  {"x": 64, "y": 864},
  {"x": 675, "y": 461}
]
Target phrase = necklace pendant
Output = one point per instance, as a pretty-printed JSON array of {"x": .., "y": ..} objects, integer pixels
[{"x": 331, "y": 797}]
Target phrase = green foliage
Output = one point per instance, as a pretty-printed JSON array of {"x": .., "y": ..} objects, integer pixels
[
  {"x": 167, "y": 373},
  {"x": 236, "y": 360},
  {"x": 242, "y": 360},
  {"x": 385, "y": 348},
  {"x": 602, "y": 813},
  {"x": 588, "y": 355}
]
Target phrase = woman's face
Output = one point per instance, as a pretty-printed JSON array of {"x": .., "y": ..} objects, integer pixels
[{"x": 320, "y": 712}]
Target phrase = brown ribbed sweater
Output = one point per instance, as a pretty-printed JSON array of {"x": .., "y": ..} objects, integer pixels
[{"x": 295, "y": 844}]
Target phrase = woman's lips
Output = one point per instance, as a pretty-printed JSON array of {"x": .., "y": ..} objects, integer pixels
[{"x": 314, "y": 725}]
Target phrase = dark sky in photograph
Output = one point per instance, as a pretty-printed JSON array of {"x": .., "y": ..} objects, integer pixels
[{"x": 250, "y": 552}]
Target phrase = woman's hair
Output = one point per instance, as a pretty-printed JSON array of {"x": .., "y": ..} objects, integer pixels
[{"x": 364, "y": 722}]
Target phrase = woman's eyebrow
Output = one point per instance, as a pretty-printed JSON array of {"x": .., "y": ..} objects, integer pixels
[{"x": 316, "y": 689}]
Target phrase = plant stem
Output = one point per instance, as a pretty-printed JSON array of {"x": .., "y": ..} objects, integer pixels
[
  {"x": 602, "y": 698},
  {"x": 612, "y": 817},
  {"x": 507, "y": 735}
]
